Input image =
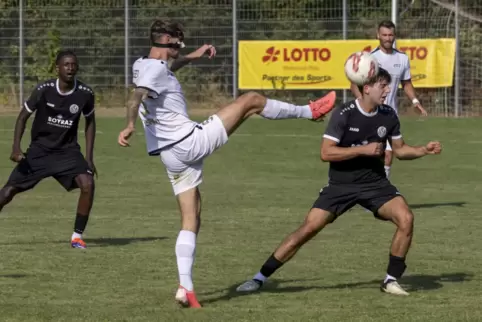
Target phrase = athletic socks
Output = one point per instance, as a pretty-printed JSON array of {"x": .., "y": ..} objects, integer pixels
[
  {"x": 389, "y": 278},
  {"x": 269, "y": 267},
  {"x": 260, "y": 277},
  {"x": 396, "y": 267},
  {"x": 76, "y": 236},
  {"x": 79, "y": 226},
  {"x": 277, "y": 110},
  {"x": 387, "y": 171},
  {"x": 185, "y": 252}
]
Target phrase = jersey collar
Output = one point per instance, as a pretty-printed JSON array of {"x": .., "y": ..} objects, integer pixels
[
  {"x": 161, "y": 60},
  {"x": 69, "y": 92},
  {"x": 363, "y": 112},
  {"x": 394, "y": 50}
]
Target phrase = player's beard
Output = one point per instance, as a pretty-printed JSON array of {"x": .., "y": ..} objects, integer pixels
[{"x": 387, "y": 44}]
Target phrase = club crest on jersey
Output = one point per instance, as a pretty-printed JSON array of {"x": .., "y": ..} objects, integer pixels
[
  {"x": 382, "y": 131},
  {"x": 74, "y": 108}
]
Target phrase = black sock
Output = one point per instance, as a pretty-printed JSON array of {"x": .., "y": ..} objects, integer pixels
[
  {"x": 270, "y": 266},
  {"x": 396, "y": 266},
  {"x": 80, "y": 223}
]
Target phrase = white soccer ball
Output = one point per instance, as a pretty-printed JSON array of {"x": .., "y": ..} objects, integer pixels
[{"x": 360, "y": 67}]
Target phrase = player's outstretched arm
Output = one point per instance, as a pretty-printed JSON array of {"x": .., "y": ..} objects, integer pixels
[
  {"x": 404, "y": 151},
  {"x": 330, "y": 152},
  {"x": 135, "y": 100},
  {"x": 184, "y": 60},
  {"x": 22, "y": 118}
]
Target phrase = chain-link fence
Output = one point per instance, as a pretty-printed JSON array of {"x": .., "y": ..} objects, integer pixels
[{"x": 108, "y": 35}]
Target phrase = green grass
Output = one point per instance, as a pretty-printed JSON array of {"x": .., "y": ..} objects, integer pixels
[{"x": 257, "y": 189}]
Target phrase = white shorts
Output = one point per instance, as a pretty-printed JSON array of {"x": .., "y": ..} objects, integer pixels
[
  {"x": 184, "y": 160},
  {"x": 389, "y": 147}
]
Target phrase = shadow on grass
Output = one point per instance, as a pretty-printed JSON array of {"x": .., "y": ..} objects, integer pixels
[
  {"x": 13, "y": 275},
  {"x": 411, "y": 283},
  {"x": 103, "y": 242},
  {"x": 94, "y": 242},
  {"x": 438, "y": 204}
]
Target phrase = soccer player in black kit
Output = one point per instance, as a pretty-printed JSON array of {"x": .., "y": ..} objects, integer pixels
[
  {"x": 353, "y": 144},
  {"x": 54, "y": 150}
]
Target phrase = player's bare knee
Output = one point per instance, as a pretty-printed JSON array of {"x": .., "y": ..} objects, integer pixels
[
  {"x": 252, "y": 101},
  {"x": 310, "y": 228},
  {"x": 86, "y": 185},
  {"x": 405, "y": 221},
  {"x": 8, "y": 192}
]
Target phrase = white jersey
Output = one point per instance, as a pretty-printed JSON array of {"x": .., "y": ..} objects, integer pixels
[
  {"x": 164, "y": 112},
  {"x": 398, "y": 66}
]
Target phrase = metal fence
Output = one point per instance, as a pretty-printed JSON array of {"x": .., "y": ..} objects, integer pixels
[{"x": 108, "y": 35}]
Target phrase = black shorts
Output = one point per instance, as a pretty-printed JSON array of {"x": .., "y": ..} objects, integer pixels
[
  {"x": 64, "y": 166},
  {"x": 339, "y": 198}
]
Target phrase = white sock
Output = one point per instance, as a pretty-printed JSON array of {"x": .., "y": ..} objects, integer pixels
[
  {"x": 389, "y": 277},
  {"x": 75, "y": 235},
  {"x": 277, "y": 110},
  {"x": 185, "y": 252},
  {"x": 387, "y": 171},
  {"x": 260, "y": 277}
]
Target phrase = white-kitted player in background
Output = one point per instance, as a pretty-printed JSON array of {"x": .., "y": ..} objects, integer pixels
[
  {"x": 184, "y": 144},
  {"x": 398, "y": 65}
]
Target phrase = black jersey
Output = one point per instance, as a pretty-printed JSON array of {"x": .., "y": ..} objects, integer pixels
[
  {"x": 351, "y": 126},
  {"x": 57, "y": 114}
]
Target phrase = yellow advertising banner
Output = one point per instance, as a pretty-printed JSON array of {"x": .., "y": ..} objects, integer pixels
[{"x": 320, "y": 64}]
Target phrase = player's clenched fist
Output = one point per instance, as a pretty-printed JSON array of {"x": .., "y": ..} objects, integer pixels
[
  {"x": 17, "y": 155},
  {"x": 373, "y": 149},
  {"x": 433, "y": 147}
]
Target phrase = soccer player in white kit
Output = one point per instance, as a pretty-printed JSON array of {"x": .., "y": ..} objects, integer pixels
[
  {"x": 398, "y": 65},
  {"x": 184, "y": 144}
]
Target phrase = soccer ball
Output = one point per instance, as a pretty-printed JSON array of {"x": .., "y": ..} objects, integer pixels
[{"x": 360, "y": 67}]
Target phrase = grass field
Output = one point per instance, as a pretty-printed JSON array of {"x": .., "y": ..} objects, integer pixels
[{"x": 257, "y": 189}]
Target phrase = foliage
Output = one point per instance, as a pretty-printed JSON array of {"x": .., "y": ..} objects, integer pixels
[{"x": 95, "y": 30}]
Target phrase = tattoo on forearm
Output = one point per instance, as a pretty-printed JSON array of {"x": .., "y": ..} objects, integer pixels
[
  {"x": 179, "y": 63},
  {"x": 134, "y": 102}
]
